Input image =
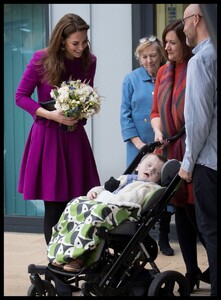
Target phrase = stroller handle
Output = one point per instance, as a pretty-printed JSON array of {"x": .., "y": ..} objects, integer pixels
[
  {"x": 149, "y": 148},
  {"x": 176, "y": 136}
]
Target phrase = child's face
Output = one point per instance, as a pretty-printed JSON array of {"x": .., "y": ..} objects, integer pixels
[{"x": 149, "y": 168}]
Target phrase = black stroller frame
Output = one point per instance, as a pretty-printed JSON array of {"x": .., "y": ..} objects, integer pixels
[{"x": 122, "y": 255}]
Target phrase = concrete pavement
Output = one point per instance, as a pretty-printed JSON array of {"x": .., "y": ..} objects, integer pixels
[{"x": 22, "y": 249}]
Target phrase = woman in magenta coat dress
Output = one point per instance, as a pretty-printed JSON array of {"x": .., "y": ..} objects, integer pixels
[{"x": 57, "y": 165}]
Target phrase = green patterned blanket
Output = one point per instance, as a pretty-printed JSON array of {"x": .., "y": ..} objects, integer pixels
[{"x": 76, "y": 231}]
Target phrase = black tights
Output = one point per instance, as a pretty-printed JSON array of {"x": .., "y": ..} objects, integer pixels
[
  {"x": 164, "y": 223},
  {"x": 187, "y": 233},
  {"x": 53, "y": 211}
]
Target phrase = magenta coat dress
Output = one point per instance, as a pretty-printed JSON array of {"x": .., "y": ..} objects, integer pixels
[{"x": 57, "y": 165}]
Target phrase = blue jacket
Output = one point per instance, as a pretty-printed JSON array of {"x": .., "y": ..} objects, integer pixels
[{"x": 136, "y": 105}]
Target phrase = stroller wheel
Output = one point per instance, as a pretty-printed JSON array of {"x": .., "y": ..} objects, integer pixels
[
  {"x": 169, "y": 283},
  {"x": 86, "y": 290},
  {"x": 49, "y": 290}
]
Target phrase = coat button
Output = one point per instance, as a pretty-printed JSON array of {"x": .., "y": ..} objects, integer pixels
[{"x": 145, "y": 120}]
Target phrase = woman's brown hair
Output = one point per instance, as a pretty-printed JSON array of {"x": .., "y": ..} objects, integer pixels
[
  {"x": 177, "y": 27},
  {"x": 53, "y": 61}
]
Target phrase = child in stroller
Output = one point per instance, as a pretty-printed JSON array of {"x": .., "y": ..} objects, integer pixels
[
  {"x": 79, "y": 222},
  {"x": 119, "y": 263}
]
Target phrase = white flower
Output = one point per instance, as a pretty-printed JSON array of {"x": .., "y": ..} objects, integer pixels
[{"x": 76, "y": 99}]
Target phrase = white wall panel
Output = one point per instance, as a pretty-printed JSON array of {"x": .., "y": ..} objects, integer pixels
[{"x": 111, "y": 42}]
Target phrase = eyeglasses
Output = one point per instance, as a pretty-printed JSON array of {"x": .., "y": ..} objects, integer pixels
[
  {"x": 183, "y": 20},
  {"x": 151, "y": 38}
]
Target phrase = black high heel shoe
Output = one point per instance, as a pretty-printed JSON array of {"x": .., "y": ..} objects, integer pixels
[
  {"x": 205, "y": 276},
  {"x": 193, "y": 279}
]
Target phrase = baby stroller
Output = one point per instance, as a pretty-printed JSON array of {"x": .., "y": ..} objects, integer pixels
[{"x": 119, "y": 263}]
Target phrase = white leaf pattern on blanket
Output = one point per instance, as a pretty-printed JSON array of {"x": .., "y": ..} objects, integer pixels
[{"x": 76, "y": 233}]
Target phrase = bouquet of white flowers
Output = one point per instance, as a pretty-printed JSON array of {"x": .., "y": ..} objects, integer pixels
[{"x": 76, "y": 99}]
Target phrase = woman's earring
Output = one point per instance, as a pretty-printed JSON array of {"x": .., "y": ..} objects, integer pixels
[{"x": 63, "y": 47}]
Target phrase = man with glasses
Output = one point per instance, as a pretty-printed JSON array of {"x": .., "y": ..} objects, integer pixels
[
  {"x": 200, "y": 111},
  {"x": 194, "y": 15}
]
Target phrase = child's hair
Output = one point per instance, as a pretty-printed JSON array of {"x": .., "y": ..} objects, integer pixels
[{"x": 161, "y": 157}]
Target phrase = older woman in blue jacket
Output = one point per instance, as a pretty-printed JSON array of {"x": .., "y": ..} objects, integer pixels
[{"x": 137, "y": 96}]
